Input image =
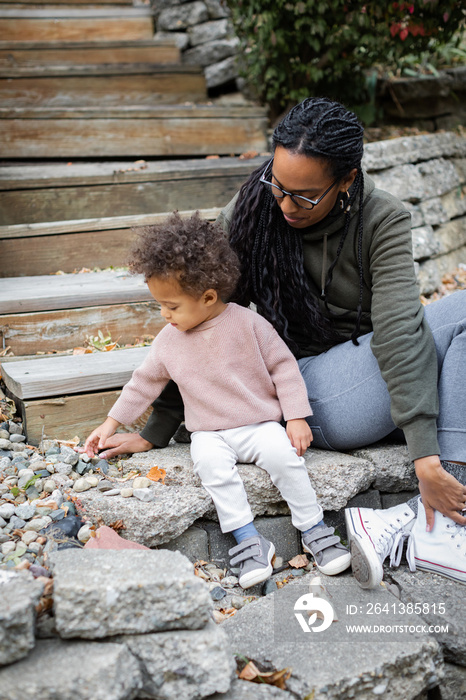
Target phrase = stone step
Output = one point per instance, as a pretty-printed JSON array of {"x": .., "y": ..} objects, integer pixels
[
  {"x": 32, "y": 54},
  {"x": 131, "y": 131},
  {"x": 101, "y": 85},
  {"x": 337, "y": 664},
  {"x": 75, "y": 24}
]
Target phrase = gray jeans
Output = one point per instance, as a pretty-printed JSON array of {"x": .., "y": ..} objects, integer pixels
[{"x": 350, "y": 399}]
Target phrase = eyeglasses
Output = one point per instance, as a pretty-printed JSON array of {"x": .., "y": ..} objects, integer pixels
[{"x": 280, "y": 193}]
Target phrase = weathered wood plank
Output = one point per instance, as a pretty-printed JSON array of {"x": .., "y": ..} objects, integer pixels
[
  {"x": 71, "y": 374},
  {"x": 53, "y": 292},
  {"x": 130, "y": 86},
  {"x": 108, "y": 223},
  {"x": 75, "y": 29},
  {"x": 66, "y": 174},
  {"x": 207, "y": 111},
  {"x": 200, "y": 187},
  {"x": 97, "y": 70},
  {"x": 88, "y": 55},
  {"x": 65, "y": 417},
  {"x": 26, "y": 334},
  {"x": 44, "y": 255},
  {"x": 57, "y": 11},
  {"x": 57, "y": 138}
]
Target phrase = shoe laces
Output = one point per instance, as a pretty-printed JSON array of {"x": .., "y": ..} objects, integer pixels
[{"x": 390, "y": 542}]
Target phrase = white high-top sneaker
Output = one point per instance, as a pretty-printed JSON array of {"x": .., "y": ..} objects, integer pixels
[
  {"x": 373, "y": 535},
  {"x": 442, "y": 550}
]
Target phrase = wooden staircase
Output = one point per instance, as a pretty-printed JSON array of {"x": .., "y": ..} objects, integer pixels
[{"x": 91, "y": 107}]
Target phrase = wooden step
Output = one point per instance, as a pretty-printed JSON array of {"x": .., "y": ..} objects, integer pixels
[
  {"x": 53, "y": 313},
  {"x": 75, "y": 24},
  {"x": 58, "y": 312},
  {"x": 46, "y": 192},
  {"x": 99, "y": 85},
  {"x": 112, "y": 132},
  {"x": 63, "y": 396},
  {"x": 64, "y": 54}
]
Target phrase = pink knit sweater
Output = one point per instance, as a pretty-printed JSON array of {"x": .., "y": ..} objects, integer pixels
[{"x": 233, "y": 370}]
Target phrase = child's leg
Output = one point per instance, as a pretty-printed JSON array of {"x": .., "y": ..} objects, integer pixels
[
  {"x": 268, "y": 445},
  {"x": 215, "y": 464}
]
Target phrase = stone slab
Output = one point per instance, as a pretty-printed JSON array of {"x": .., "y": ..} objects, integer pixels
[
  {"x": 415, "y": 183},
  {"x": 100, "y": 593},
  {"x": 59, "y": 670},
  {"x": 183, "y": 664},
  {"x": 395, "y": 499},
  {"x": 244, "y": 690},
  {"x": 19, "y": 594},
  {"x": 453, "y": 685},
  {"x": 194, "y": 544},
  {"x": 411, "y": 149},
  {"x": 326, "y": 665},
  {"x": 425, "y": 588},
  {"x": 394, "y": 470},
  {"x": 336, "y": 478}
]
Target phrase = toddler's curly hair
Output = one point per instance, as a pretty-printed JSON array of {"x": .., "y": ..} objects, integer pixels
[{"x": 195, "y": 251}]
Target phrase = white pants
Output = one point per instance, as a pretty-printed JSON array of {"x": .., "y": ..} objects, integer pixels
[{"x": 215, "y": 454}]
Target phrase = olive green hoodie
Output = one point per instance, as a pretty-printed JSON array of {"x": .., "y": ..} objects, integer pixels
[{"x": 402, "y": 340}]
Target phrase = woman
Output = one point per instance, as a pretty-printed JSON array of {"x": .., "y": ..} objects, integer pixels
[{"x": 327, "y": 259}]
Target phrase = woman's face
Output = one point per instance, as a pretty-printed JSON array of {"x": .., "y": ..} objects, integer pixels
[{"x": 309, "y": 177}]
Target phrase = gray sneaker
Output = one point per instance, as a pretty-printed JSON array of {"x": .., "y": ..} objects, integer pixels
[
  {"x": 330, "y": 555},
  {"x": 254, "y": 557}
]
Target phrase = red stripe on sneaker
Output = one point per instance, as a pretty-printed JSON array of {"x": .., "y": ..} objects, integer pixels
[
  {"x": 450, "y": 568},
  {"x": 362, "y": 525}
]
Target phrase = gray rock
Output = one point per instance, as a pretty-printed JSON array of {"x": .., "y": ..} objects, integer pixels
[
  {"x": 184, "y": 664},
  {"x": 17, "y": 523},
  {"x": 5, "y": 444},
  {"x": 431, "y": 271},
  {"x": 194, "y": 544},
  {"x": 451, "y": 236},
  {"x": 126, "y": 592},
  {"x": 63, "y": 468},
  {"x": 112, "y": 492},
  {"x": 15, "y": 428},
  {"x": 222, "y": 72},
  {"x": 78, "y": 670},
  {"x": 26, "y": 511},
  {"x": 24, "y": 477},
  {"x": 423, "y": 181},
  {"x": 16, "y": 437},
  {"x": 19, "y": 593},
  {"x": 81, "y": 485},
  {"x": 268, "y": 631},
  {"x": 394, "y": 470},
  {"x": 7, "y": 510},
  {"x": 411, "y": 149},
  {"x": 453, "y": 685},
  {"x": 425, "y": 243},
  {"x": 146, "y": 495},
  {"x": 68, "y": 455},
  {"x": 217, "y": 8},
  {"x": 207, "y": 31},
  {"x": 4, "y": 434},
  {"x": 183, "y": 16},
  {"x": 428, "y": 591},
  {"x": 181, "y": 38},
  {"x": 211, "y": 52},
  {"x": 434, "y": 212}
]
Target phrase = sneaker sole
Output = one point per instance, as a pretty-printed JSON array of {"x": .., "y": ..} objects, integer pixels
[
  {"x": 336, "y": 566},
  {"x": 365, "y": 563},
  {"x": 448, "y": 572},
  {"x": 252, "y": 578}
]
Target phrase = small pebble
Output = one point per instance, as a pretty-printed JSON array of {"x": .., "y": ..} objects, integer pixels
[
  {"x": 63, "y": 468},
  {"x": 15, "y": 428},
  {"x": 82, "y": 485},
  {"x": 84, "y": 457},
  {"x": 26, "y": 511},
  {"x": 49, "y": 486},
  {"x": 28, "y": 537},
  {"x": 144, "y": 495},
  {"x": 278, "y": 563},
  {"x": 8, "y": 547},
  {"x": 104, "y": 485},
  {"x": 4, "y": 434},
  {"x": 299, "y": 572},
  {"x": 237, "y": 602},
  {"x": 269, "y": 587},
  {"x": 5, "y": 444},
  {"x": 38, "y": 524},
  {"x": 36, "y": 548},
  {"x": 92, "y": 480},
  {"x": 7, "y": 510},
  {"x": 112, "y": 492},
  {"x": 17, "y": 523},
  {"x": 103, "y": 465},
  {"x": 57, "y": 514},
  {"x": 229, "y": 581},
  {"x": 127, "y": 492},
  {"x": 84, "y": 534},
  {"x": 141, "y": 482},
  {"x": 217, "y": 593},
  {"x": 82, "y": 467},
  {"x": 16, "y": 437}
]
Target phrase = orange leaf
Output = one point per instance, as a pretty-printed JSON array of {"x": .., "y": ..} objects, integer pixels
[
  {"x": 251, "y": 673},
  {"x": 156, "y": 474},
  {"x": 299, "y": 561}
]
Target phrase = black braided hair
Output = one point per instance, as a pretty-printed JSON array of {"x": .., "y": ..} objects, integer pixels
[{"x": 270, "y": 251}]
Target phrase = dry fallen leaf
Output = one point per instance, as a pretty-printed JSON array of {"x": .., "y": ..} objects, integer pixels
[
  {"x": 129, "y": 475},
  {"x": 248, "y": 154},
  {"x": 117, "y": 525},
  {"x": 81, "y": 351},
  {"x": 70, "y": 443},
  {"x": 157, "y": 474},
  {"x": 278, "y": 678},
  {"x": 299, "y": 561},
  {"x": 212, "y": 157}
]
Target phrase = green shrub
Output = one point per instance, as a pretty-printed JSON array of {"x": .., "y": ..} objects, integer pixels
[{"x": 336, "y": 48}]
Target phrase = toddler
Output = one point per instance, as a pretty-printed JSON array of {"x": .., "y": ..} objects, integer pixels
[{"x": 238, "y": 380}]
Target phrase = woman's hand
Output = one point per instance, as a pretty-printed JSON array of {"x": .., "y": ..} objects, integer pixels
[
  {"x": 300, "y": 434},
  {"x": 125, "y": 443},
  {"x": 98, "y": 438},
  {"x": 439, "y": 491}
]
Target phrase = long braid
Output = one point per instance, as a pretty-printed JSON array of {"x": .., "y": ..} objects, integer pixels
[{"x": 271, "y": 253}]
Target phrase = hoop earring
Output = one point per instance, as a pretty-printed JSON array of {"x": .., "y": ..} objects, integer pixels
[{"x": 344, "y": 202}]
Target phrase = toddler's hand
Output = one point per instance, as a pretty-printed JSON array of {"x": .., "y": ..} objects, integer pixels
[
  {"x": 97, "y": 439},
  {"x": 300, "y": 434}
]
